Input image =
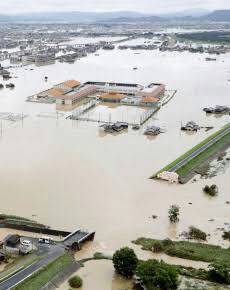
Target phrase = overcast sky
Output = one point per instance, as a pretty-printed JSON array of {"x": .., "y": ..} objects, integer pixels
[{"x": 153, "y": 6}]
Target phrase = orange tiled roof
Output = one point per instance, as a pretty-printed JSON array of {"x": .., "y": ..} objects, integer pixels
[
  {"x": 71, "y": 83},
  {"x": 55, "y": 92},
  {"x": 112, "y": 96},
  {"x": 149, "y": 100}
]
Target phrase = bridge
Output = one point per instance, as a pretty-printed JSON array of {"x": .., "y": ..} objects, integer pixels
[{"x": 76, "y": 239}]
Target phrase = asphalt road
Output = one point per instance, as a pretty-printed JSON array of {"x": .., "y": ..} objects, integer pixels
[
  {"x": 54, "y": 252},
  {"x": 47, "y": 254},
  {"x": 199, "y": 150}
]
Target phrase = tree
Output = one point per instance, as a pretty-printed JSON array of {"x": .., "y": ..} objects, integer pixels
[
  {"x": 174, "y": 212},
  {"x": 196, "y": 234},
  {"x": 125, "y": 262},
  {"x": 219, "y": 272},
  {"x": 157, "y": 275},
  {"x": 75, "y": 282},
  {"x": 211, "y": 190}
]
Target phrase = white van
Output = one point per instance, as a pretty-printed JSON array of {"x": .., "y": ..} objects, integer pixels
[
  {"x": 25, "y": 247},
  {"x": 46, "y": 240}
]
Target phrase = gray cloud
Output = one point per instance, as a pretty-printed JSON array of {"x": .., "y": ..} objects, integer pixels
[{"x": 153, "y": 6}]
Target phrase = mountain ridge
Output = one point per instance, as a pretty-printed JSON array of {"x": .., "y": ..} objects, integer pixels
[{"x": 118, "y": 16}]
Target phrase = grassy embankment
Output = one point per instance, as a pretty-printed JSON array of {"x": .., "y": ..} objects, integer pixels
[
  {"x": 209, "y": 37},
  {"x": 190, "y": 251},
  {"x": 187, "y": 250},
  {"x": 204, "y": 156},
  {"x": 199, "y": 159},
  {"x": 13, "y": 219},
  {"x": 44, "y": 275}
]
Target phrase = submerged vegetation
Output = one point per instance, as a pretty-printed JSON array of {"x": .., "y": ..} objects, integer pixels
[
  {"x": 211, "y": 190},
  {"x": 196, "y": 234},
  {"x": 75, "y": 282},
  {"x": 226, "y": 235},
  {"x": 174, "y": 212},
  {"x": 187, "y": 250},
  {"x": 157, "y": 275},
  {"x": 125, "y": 262},
  {"x": 153, "y": 274},
  {"x": 206, "y": 36}
]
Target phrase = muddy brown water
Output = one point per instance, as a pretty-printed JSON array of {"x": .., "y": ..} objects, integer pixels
[{"x": 71, "y": 176}]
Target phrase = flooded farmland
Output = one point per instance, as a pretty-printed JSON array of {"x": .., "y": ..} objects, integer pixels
[{"x": 71, "y": 176}]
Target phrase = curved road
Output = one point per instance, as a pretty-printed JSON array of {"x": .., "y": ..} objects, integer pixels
[
  {"x": 200, "y": 150},
  {"x": 17, "y": 278}
]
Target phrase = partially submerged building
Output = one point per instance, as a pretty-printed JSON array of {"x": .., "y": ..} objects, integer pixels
[
  {"x": 153, "y": 131},
  {"x": 76, "y": 95},
  {"x": 190, "y": 126},
  {"x": 71, "y": 92}
]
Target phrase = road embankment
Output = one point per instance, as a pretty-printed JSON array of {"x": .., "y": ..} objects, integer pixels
[{"x": 202, "y": 154}]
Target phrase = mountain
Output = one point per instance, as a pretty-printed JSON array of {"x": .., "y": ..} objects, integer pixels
[
  {"x": 218, "y": 16},
  {"x": 193, "y": 15},
  {"x": 4, "y": 17},
  {"x": 75, "y": 16},
  {"x": 196, "y": 12},
  {"x": 136, "y": 19},
  {"x": 118, "y": 17}
]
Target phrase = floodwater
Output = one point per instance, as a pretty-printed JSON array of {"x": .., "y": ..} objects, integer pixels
[
  {"x": 98, "y": 275},
  {"x": 71, "y": 176},
  {"x": 112, "y": 113},
  {"x": 85, "y": 40}
]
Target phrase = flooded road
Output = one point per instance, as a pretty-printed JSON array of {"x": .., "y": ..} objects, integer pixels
[{"x": 70, "y": 175}]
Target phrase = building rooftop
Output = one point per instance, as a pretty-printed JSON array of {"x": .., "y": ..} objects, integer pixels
[
  {"x": 112, "y": 96},
  {"x": 149, "y": 100},
  {"x": 72, "y": 83},
  {"x": 55, "y": 92}
]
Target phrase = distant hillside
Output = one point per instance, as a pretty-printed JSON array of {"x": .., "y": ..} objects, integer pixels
[
  {"x": 5, "y": 17},
  {"x": 75, "y": 16},
  {"x": 136, "y": 19},
  {"x": 218, "y": 16},
  {"x": 118, "y": 17},
  {"x": 196, "y": 12}
]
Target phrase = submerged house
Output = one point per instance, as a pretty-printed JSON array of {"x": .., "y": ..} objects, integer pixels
[
  {"x": 190, "y": 126},
  {"x": 153, "y": 131}
]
